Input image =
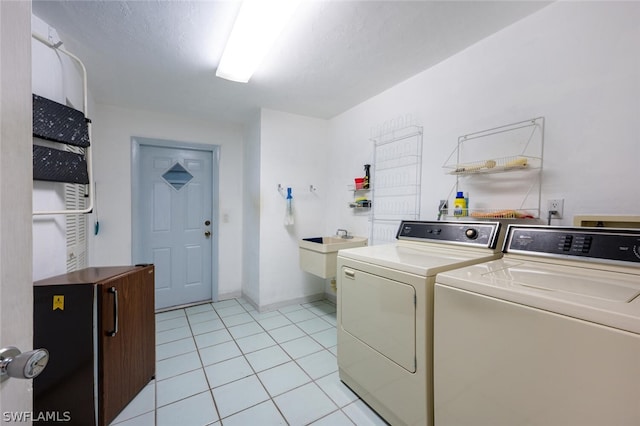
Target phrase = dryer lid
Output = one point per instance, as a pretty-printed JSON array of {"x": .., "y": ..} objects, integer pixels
[{"x": 419, "y": 259}]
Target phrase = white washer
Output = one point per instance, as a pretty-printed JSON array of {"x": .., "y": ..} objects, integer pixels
[
  {"x": 547, "y": 335},
  {"x": 385, "y": 312}
]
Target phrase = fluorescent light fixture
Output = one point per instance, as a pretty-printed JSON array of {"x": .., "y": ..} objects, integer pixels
[{"x": 257, "y": 26}]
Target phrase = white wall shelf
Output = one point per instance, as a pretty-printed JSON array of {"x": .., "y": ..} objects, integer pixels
[
  {"x": 362, "y": 206},
  {"x": 353, "y": 189}
]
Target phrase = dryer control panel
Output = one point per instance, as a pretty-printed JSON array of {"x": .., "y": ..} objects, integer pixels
[
  {"x": 607, "y": 244},
  {"x": 481, "y": 234}
]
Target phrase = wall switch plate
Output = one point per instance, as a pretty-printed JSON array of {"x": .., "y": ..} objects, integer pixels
[{"x": 557, "y": 206}]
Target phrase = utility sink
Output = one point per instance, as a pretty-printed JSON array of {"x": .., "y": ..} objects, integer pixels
[{"x": 319, "y": 255}]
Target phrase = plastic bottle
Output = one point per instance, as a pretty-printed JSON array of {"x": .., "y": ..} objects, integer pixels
[
  {"x": 466, "y": 204},
  {"x": 459, "y": 205},
  {"x": 367, "y": 176}
]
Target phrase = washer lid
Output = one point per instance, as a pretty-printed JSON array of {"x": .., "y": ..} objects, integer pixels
[
  {"x": 610, "y": 298},
  {"x": 562, "y": 281}
]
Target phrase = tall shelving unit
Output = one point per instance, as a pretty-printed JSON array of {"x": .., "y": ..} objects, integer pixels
[
  {"x": 501, "y": 170},
  {"x": 396, "y": 180}
]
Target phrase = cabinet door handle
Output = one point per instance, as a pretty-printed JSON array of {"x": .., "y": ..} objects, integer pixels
[
  {"x": 114, "y": 291},
  {"x": 349, "y": 273}
]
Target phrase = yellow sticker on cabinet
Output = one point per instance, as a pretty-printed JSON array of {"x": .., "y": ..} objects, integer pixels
[{"x": 58, "y": 302}]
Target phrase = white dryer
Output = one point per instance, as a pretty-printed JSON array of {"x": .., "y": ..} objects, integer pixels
[
  {"x": 547, "y": 335},
  {"x": 385, "y": 312}
]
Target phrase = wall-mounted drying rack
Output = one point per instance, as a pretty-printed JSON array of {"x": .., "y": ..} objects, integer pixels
[
  {"x": 396, "y": 181},
  {"x": 501, "y": 168},
  {"x": 48, "y": 113},
  {"x": 283, "y": 189}
]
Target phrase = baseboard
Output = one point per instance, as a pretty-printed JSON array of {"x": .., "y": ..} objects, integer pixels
[
  {"x": 299, "y": 301},
  {"x": 250, "y": 301},
  {"x": 332, "y": 297},
  {"x": 184, "y": 306},
  {"x": 232, "y": 295}
]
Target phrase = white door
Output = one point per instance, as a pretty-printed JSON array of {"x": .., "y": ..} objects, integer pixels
[{"x": 175, "y": 223}]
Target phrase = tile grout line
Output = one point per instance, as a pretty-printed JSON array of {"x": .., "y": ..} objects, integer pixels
[
  {"x": 271, "y": 398},
  {"x": 206, "y": 378},
  {"x": 244, "y": 355},
  {"x": 278, "y": 344}
]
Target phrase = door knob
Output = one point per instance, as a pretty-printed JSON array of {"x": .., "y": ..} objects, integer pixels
[
  {"x": 207, "y": 234},
  {"x": 19, "y": 365}
]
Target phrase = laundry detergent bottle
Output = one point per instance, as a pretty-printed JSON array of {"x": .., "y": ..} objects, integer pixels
[{"x": 460, "y": 205}]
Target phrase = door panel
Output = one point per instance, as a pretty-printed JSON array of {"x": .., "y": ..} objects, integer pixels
[
  {"x": 381, "y": 314},
  {"x": 162, "y": 261},
  {"x": 127, "y": 359},
  {"x": 194, "y": 265},
  {"x": 176, "y": 194},
  {"x": 161, "y": 208},
  {"x": 68, "y": 369},
  {"x": 195, "y": 196}
]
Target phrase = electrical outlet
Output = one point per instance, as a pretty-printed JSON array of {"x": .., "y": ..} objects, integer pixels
[
  {"x": 443, "y": 209},
  {"x": 557, "y": 206}
]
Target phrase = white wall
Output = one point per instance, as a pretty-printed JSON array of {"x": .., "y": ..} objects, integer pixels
[
  {"x": 251, "y": 212},
  {"x": 576, "y": 63},
  {"x": 293, "y": 154},
  {"x": 113, "y": 128}
]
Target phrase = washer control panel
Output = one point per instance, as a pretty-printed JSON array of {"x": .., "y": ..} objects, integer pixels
[
  {"x": 482, "y": 234},
  {"x": 612, "y": 244}
]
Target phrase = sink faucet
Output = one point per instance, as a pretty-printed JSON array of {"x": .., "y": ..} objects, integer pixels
[{"x": 344, "y": 232}]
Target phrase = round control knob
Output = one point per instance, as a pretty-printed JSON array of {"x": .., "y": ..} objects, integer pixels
[{"x": 471, "y": 233}]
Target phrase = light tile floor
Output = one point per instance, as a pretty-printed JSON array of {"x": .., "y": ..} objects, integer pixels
[{"x": 225, "y": 363}]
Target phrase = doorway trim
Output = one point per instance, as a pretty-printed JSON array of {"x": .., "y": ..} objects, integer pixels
[{"x": 136, "y": 245}]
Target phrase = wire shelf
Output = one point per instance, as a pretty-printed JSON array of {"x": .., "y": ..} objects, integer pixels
[
  {"x": 532, "y": 213},
  {"x": 498, "y": 165}
]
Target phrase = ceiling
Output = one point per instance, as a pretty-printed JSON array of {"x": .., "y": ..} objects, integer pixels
[{"x": 162, "y": 55}]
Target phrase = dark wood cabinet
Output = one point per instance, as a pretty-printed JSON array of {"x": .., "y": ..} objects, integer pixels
[{"x": 99, "y": 327}]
